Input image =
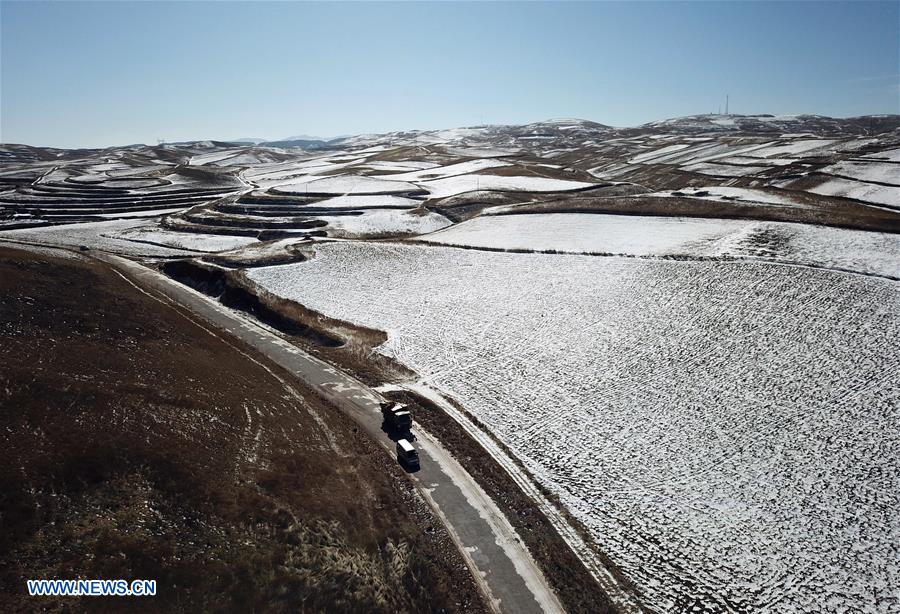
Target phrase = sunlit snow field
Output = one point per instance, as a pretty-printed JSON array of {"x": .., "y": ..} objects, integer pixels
[
  {"x": 875, "y": 253},
  {"x": 720, "y": 427}
]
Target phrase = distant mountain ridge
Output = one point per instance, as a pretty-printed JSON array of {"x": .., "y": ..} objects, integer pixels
[
  {"x": 563, "y": 129},
  {"x": 308, "y": 137},
  {"x": 574, "y": 129},
  {"x": 764, "y": 123},
  {"x": 299, "y": 138}
]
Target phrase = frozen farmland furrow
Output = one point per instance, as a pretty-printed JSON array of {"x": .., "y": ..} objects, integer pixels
[{"x": 725, "y": 430}]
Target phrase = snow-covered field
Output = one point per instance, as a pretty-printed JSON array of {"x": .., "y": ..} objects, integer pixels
[
  {"x": 213, "y": 157},
  {"x": 879, "y": 172},
  {"x": 450, "y": 186},
  {"x": 282, "y": 173},
  {"x": 379, "y": 222},
  {"x": 794, "y": 148},
  {"x": 703, "y": 157},
  {"x": 891, "y": 155},
  {"x": 750, "y": 160},
  {"x": 348, "y": 184},
  {"x": 184, "y": 240},
  {"x": 726, "y": 431},
  {"x": 368, "y": 202},
  {"x": 481, "y": 152},
  {"x": 451, "y": 170},
  {"x": 584, "y": 233},
  {"x": 724, "y": 170},
  {"x": 96, "y": 235},
  {"x": 744, "y": 195},
  {"x": 145, "y": 213},
  {"x": 402, "y": 166},
  {"x": 859, "y": 190},
  {"x": 866, "y": 252},
  {"x": 651, "y": 155}
]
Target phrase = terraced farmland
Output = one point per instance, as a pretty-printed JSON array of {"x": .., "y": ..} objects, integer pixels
[
  {"x": 727, "y": 431},
  {"x": 837, "y": 172},
  {"x": 109, "y": 190}
]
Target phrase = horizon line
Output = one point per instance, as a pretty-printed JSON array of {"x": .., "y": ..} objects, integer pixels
[{"x": 262, "y": 143}]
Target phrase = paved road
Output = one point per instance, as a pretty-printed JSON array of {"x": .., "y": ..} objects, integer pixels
[{"x": 499, "y": 561}]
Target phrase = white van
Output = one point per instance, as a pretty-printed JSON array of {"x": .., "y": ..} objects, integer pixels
[{"x": 407, "y": 454}]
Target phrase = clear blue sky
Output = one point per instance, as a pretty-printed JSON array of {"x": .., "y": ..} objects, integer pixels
[{"x": 96, "y": 74}]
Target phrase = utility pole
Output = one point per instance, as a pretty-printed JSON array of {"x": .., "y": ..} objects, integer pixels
[{"x": 726, "y": 104}]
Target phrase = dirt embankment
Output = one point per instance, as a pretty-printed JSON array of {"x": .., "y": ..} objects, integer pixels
[
  {"x": 462, "y": 207},
  {"x": 233, "y": 291},
  {"x": 825, "y": 211},
  {"x": 175, "y": 223},
  {"x": 342, "y": 343},
  {"x": 137, "y": 444}
]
